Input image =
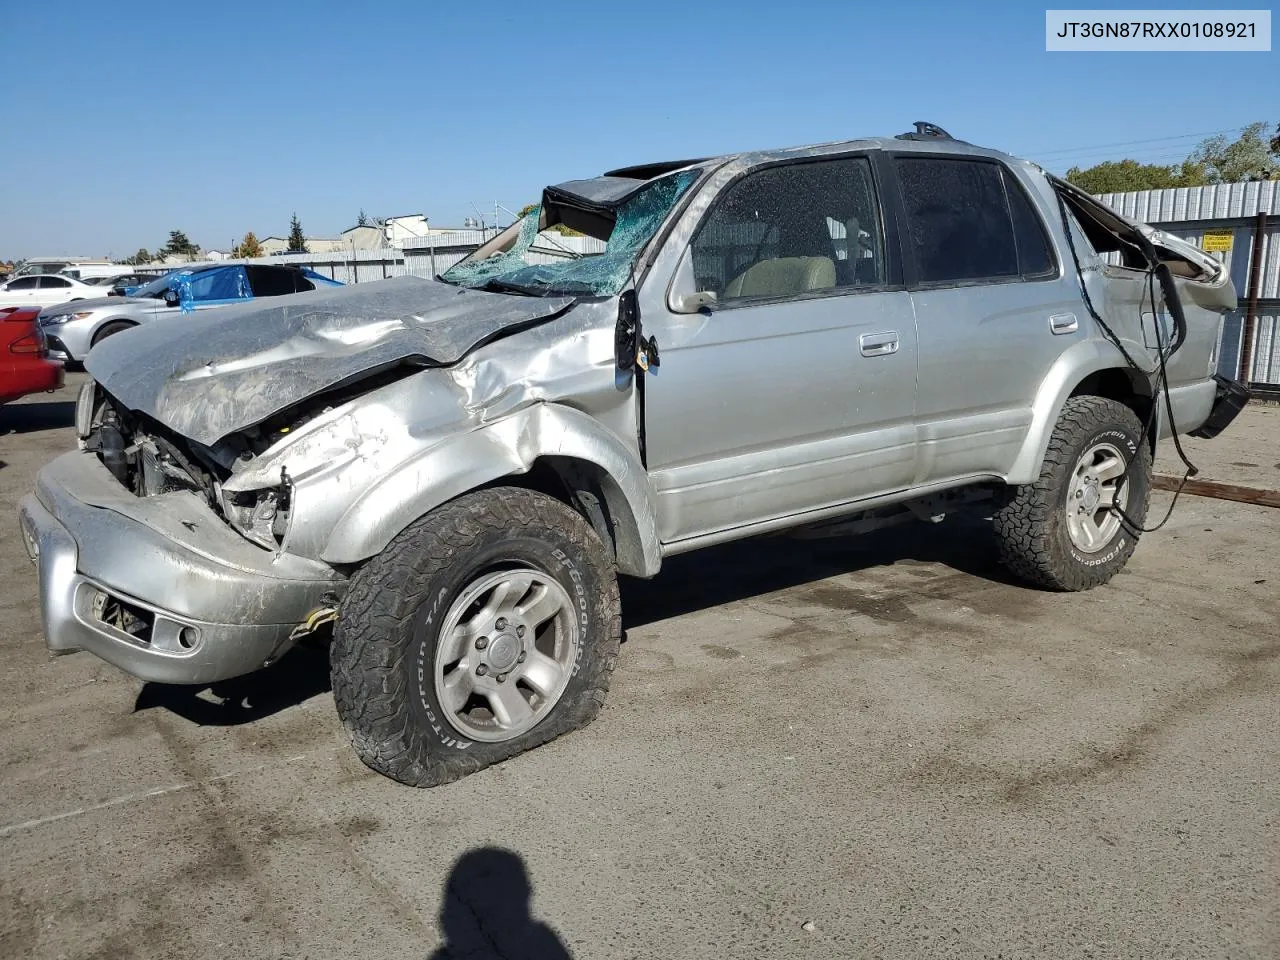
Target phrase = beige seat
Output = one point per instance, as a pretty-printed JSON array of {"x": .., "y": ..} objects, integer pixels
[{"x": 784, "y": 277}]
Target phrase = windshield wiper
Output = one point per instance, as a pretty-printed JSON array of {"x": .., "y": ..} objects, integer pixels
[{"x": 494, "y": 285}]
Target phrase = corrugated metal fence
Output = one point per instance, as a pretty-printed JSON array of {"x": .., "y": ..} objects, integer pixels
[{"x": 1227, "y": 213}]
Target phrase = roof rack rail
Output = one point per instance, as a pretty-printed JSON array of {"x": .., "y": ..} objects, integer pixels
[{"x": 926, "y": 131}]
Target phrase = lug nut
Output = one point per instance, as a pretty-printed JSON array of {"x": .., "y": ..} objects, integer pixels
[
  {"x": 502, "y": 678},
  {"x": 520, "y": 659},
  {"x": 520, "y": 631},
  {"x": 482, "y": 642},
  {"x": 502, "y": 623},
  {"x": 481, "y": 670}
]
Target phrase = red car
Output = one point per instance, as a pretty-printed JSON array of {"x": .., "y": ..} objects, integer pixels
[{"x": 24, "y": 363}]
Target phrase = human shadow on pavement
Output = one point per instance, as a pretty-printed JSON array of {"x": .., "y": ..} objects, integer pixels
[
  {"x": 484, "y": 912},
  {"x": 722, "y": 574},
  {"x": 34, "y": 417},
  {"x": 300, "y": 674}
]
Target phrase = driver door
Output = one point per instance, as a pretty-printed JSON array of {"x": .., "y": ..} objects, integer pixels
[{"x": 795, "y": 390}]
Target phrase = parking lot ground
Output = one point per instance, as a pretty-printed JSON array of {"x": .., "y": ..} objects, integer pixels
[{"x": 872, "y": 747}]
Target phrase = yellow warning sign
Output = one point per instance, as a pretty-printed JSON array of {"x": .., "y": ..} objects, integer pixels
[{"x": 1216, "y": 241}]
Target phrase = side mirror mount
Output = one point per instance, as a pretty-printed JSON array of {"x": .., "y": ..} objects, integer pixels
[
  {"x": 685, "y": 297},
  {"x": 171, "y": 298},
  {"x": 696, "y": 301}
]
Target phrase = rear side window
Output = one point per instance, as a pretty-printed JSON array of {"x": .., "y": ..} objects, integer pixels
[
  {"x": 790, "y": 230},
  {"x": 1034, "y": 257},
  {"x": 272, "y": 281},
  {"x": 970, "y": 221},
  {"x": 50, "y": 282},
  {"x": 957, "y": 220}
]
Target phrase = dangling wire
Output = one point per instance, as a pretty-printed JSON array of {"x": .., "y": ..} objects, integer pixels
[{"x": 1160, "y": 385}]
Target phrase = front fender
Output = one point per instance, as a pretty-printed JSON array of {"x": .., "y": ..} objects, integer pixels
[
  {"x": 504, "y": 448},
  {"x": 1076, "y": 363}
]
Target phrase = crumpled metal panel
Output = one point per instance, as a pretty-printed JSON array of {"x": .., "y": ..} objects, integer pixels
[{"x": 231, "y": 368}]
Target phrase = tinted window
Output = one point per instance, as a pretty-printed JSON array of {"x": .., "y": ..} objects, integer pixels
[
  {"x": 272, "y": 281},
  {"x": 1034, "y": 255},
  {"x": 23, "y": 283},
  {"x": 792, "y": 229},
  {"x": 957, "y": 219},
  {"x": 47, "y": 282},
  {"x": 218, "y": 285}
]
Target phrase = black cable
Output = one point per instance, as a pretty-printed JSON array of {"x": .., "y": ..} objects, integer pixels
[{"x": 1161, "y": 381}]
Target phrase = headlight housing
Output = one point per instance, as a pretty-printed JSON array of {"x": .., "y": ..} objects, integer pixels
[
  {"x": 261, "y": 516},
  {"x": 53, "y": 318}
]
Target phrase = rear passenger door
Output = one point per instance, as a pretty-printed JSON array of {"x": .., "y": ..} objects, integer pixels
[
  {"x": 993, "y": 310},
  {"x": 794, "y": 391}
]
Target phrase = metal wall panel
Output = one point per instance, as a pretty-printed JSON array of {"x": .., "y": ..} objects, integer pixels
[{"x": 1216, "y": 201}]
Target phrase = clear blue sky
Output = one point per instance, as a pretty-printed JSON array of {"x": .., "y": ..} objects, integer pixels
[{"x": 244, "y": 113}]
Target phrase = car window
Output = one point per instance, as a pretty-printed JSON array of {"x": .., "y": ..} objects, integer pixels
[
  {"x": 217, "y": 285},
  {"x": 970, "y": 221},
  {"x": 272, "y": 281},
  {"x": 23, "y": 283},
  {"x": 46, "y": 282},
  {"x": 792, "y": 229},
  {"x": 1035, "y": 257}
]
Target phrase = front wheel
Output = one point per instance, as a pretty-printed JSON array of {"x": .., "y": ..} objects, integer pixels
[
  {"x": 486, "y": 628},
  {"x": 1076, "y": 526}
]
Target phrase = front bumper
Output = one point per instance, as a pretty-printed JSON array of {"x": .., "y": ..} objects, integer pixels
[{"x": 213, "y": 605}]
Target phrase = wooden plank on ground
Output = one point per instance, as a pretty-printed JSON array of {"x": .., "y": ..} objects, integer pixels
[{"x": 1219, "y": 491}]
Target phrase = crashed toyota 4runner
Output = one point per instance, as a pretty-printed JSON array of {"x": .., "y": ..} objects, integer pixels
[{"x": 454, "y": 471}]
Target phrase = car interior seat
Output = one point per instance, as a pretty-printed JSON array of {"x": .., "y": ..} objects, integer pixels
[{"x": 783, "y": 277}]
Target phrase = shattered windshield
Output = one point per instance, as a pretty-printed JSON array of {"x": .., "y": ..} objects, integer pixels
[{"x": 539, "y": 264}]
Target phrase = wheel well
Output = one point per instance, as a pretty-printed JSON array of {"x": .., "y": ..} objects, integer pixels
[
  {"x": 1122, "y": 386},
  {"x": 119, "y": 322},
  {"x": 588, "y": 489}
]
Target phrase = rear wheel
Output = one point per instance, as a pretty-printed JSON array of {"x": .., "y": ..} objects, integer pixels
[
  {"x": 1066, "y": 530},
  {"x": 486, "y": 628}
]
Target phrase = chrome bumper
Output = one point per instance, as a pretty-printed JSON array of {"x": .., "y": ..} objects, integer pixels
[{"x": 214, "y": 606}]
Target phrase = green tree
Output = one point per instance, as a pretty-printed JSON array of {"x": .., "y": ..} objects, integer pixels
[
  {"x": 248, "y": 247},
  {"x": 297, "y": 239},
  {"x": 1120, "y": 176},
  {"x": 1251, "y": 156},
  {"x": 139, "y": 258},
  {"x": 362, "y": 218},
  {"x": 179, "y": 246}
]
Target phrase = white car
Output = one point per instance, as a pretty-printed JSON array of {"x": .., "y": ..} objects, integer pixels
[{"x": 44, "y": 290}]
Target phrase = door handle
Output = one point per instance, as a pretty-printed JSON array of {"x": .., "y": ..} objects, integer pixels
[
  {"x": 1062, "y": 323},
  {"x": 878, "y": 344}
]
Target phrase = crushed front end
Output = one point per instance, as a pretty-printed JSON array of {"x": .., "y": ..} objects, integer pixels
[{"x": 141, "y": 564}]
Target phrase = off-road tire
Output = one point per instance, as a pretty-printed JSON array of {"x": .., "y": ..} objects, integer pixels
[
  {"x": 1031, "y": 526},
  {"x": 383, "y": 652}
]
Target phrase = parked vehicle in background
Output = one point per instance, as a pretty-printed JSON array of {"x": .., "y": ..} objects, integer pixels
[
  {"x": 72, "y": 329},
  {"x": 25, "y": 366},
  {"x": 455, "y": 472},
  {"x": 93, "y": 271},
  {"x": 43, "y": 290},
  {"x": 120, "y": 280},
  {"x": 35, "y": 266}
]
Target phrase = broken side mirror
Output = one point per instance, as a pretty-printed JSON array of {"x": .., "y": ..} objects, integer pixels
[{"x": 685, "y": 297}]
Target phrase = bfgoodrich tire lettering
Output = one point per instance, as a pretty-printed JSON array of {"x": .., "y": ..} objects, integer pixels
[
  {"x": 384, "y": 655},
  {"x": 1034, "y": 527}
]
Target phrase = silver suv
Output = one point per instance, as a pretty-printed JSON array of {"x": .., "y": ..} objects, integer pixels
[{"x": 456, "y": 470}]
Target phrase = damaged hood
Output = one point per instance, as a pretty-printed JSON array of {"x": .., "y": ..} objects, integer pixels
[{"x": 211, "y": 374}]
